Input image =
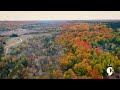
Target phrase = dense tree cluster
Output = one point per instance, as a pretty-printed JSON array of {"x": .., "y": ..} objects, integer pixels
[
  {"x": 3, "y": 28},
  {"x": 33, "y": 59},
  {"x": 80, "y": 51},
  {"x": 84, "y": 56},
  {"x": 1, "y": 46},
  {"x": 14, "y": 35},
  {"x": 114, "y": 25}
]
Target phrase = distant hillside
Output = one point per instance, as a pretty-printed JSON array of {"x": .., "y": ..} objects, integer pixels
[
  {"x": 92, "y": 21},
  {"x": 9, "y": 25},
  {"x": 115, "y": 24}
]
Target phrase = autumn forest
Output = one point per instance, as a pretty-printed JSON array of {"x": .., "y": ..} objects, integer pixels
[{"x": 59, "y": 50}]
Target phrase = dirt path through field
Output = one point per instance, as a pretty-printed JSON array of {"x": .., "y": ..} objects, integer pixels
[
  {"x": 7, "y": 47},
  {"x": 17, "y": 40}
]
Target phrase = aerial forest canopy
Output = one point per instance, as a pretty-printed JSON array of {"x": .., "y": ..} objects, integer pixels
[
  {"x": 1, "y": 47},
  {"x": 89, "y": 49},
  {"x": 113, "y": 25},
  {"x": 77, "y": 51}
]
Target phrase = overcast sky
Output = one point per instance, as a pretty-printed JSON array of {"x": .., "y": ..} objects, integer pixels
[{"x": 58, "y": 15}]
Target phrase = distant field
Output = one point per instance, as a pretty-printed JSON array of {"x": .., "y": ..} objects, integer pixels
[
  {"x": 16, "y": 32},
  {"x": 13, "y": 24}
]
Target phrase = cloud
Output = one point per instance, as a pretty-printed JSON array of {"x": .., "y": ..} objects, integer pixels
[{"x": 58, "y": 15}]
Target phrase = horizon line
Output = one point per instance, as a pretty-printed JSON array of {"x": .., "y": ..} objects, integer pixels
[{"x": 67, "y": 20}]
